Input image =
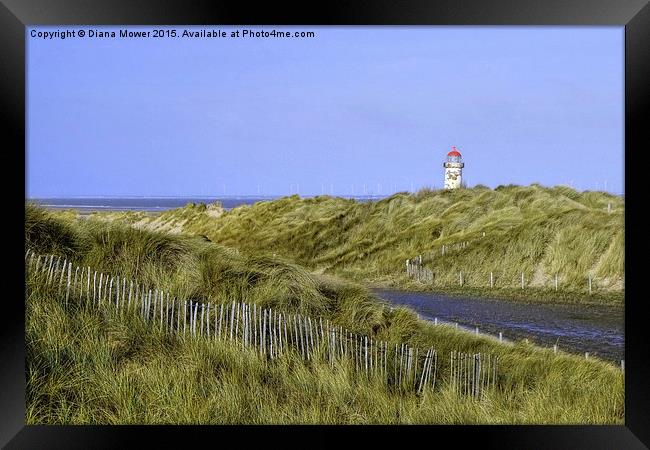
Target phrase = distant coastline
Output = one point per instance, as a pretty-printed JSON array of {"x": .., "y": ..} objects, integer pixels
[{"x": 88, "y": 205}]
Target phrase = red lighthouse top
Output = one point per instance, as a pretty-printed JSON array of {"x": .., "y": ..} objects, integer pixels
[{"x": 453, "y": 152}]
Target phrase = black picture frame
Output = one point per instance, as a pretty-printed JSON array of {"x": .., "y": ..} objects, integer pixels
[{"x": 16, "y": 15}]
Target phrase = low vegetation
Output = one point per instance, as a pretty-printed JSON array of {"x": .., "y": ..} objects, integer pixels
[
  {"x": 540, "y": 231},
  {"x": 89, "y": 366}
]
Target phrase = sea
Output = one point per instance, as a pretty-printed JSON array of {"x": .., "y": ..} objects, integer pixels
[{"x": 156, "y": 204}]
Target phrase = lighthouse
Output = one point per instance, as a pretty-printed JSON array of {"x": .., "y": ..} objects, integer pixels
[{"x": 453, "y": 169}]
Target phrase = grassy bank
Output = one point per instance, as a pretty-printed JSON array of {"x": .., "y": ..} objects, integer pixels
[
  {"x": 91, "y": 366},
  {"x": 530, "y": 295},
  {"x": 538, "y": 231}
]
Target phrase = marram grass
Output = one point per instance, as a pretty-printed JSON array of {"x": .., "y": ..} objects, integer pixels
[
  {"x": 540, "y": 231},
  {"x": 89, "y": 366}
]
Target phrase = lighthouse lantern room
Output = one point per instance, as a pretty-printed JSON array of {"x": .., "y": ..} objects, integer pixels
[{"x": 453, "y": 169}]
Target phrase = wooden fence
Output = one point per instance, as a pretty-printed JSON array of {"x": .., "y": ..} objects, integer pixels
[
  {"x": 471, "y": 374},
  {"x": 415, "y": 269},
  {"x": 271, "y": 333}
]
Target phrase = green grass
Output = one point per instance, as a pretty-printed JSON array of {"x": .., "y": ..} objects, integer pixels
[
  {"x": 89, "y": 366},
  {"x": 533, "y": 229},
  {"x": 530, "y": 295}
]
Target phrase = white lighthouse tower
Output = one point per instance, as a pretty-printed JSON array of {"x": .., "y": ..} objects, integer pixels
[{"x": 453, "y": 169}]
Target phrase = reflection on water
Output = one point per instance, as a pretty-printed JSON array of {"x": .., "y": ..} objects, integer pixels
[{"x": 596, "y": 329}]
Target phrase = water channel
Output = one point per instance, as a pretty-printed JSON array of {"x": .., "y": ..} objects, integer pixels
[{"x": 597, "y": 329}]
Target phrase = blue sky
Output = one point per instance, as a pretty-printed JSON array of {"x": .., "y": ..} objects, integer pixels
[{"x": 352, "y": 106}]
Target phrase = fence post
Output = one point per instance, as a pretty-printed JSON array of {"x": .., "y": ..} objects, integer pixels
[
  {"x": 522, "y": 280},
  {"x": 189, "y": 319},
  {"x": 232, "y": 319},
  {"x": 49, "y": 270},
  {"x": 589, "y": 284},
  {"x": 166, "y": 308},
  {"x": 171, "y": 318},
  {"x": 200, "y": 323},
  {"x": 460, "y": 276},
  {"x": 555, "y": 348},
  {"x": 365, "y": 348},
  {"x": 491, "y": 280},
  {"x": 99, "y": 291},
  {"x": 452, "y": 369},
  {"x": 280, "y": 343},
  {"x": 286, "y": 339},
  {"x": 303, "y": 337},
  {"x": 401, "y": 358},
  {"x": 81, "y": 283},
  {"x": 556, "y": 281},
  {"x": 306, "y": 333},
  {"x": 74, "y": 283},
  {"x": 237, "y": 317},
  {"x": 500, "y": 336},
  {"x": 190, "y": 325},
  {"x": 196, "y": 310},
  {"x": 409, "y": 365},
  {"x": 178, "y": 316},
  {"x": 67, "y": 291},
  {"x": 623, "y": 365},
  {"x": 155, "y": 303},
  {"x": 435, "y": 369},
  {"x": 250, "y": 324},
  {"x": 123, "y": 291},
  {"x": 94, "y": 286},
  {"x": 105, "y": 285},
  {"x": 65, "y": 264},
  {"x": 184, "y": 315},
  {"x": 263, "y": 335},
  {"x": 311, "y": 335},
  {"x": 55, "y": 269},
  {"x": 254, "y": 324},
  {"x": 117, "y": 291},
  {"x": 424, "y": 367}
]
